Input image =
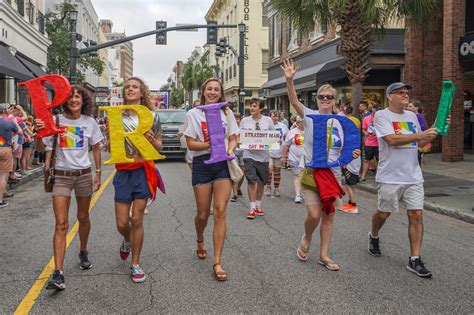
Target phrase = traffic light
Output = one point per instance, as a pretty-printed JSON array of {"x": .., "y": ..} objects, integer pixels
[
  {"x": 211, "y": 33},
  {"x": 161, "y": 37}
]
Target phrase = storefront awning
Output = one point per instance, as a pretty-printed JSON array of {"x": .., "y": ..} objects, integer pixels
[
  {"x": 10, "y": 66},
  {"x": 331, "y": 71},
  {"x": 308, "y": 78},
  {"x": 34, "y": 68},
  {"x": 299, "y": 87}
]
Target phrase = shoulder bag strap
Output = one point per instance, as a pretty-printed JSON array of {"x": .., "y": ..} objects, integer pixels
[{"x": 55, "y": 144}]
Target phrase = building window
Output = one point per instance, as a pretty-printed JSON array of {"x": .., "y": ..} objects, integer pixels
[
  {"x": 226, "y": 74},
  {"x": 40, "y": 20},
  {"x": 265, "y": 61},
  {"x": 235, "y": 70},
  {"x": 318, "y": 32},
  {"x": 21, "y": 7},
  {"x": 265, "y": 19},
  {"x": 230, "y": 72},
  {"x": 31, "y": 13},
  {"x": 276, "y": 35}
]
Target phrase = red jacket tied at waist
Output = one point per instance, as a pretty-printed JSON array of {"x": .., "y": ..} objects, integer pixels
[
  {"x": 152, "y": 174},
  {"x": 328, "y": 187}
]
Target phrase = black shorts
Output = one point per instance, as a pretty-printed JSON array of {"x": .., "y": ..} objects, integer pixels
[
  {"x": 370, "y": 153},
  {"x": 256, "y": 171},
  {"x": 350, "y": 179}
]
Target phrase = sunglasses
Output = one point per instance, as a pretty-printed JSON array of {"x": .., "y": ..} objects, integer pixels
[
  {"x": 257, "y": 126},
  {"x": 401, "y": 93},
  {"x": 326, "y": 97}
]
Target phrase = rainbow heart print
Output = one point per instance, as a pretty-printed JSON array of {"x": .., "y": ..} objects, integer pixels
[
  {"x": 405, "y": 128},
  {"x": 299, "y": 139},
  {"x": 72, "y": 138}
]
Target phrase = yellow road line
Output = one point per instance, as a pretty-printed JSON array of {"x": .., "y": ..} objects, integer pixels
[{"x": 30, "y": 298}]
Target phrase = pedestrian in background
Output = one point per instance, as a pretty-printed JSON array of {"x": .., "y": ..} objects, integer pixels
[
  {"x": 275, "y": 158},
  {"x": 239, "y": 155},
  {"x": 210, "y": 181},
  {"x": 371, "y": 146},
  {"x": 135, "y": 183},
  {"x": 256, "y": 161},
  {"x": 72, "y": 171},
  {"x": 8, "y": 128},
  {"x": 293, "y": 150},
  {"x": 416, "y": 107}
]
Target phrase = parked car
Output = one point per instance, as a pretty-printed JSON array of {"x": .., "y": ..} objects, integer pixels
[{"x": 172, "y": 121}]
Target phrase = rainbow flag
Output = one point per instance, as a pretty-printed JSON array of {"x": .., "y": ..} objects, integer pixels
[
  {"x": 72, "y": 138},
  {"x": 3, "y": 142},
  {"x": 404, "y": 128}
]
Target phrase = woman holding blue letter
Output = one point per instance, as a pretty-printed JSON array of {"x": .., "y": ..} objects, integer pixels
[
  {"x": 210, "y": 181},
  {"x": 326, "y": 96}
]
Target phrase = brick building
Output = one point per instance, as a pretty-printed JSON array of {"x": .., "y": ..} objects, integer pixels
[
  {"x": 319, "y": 63},
  {"x": 445, "y": 51}
]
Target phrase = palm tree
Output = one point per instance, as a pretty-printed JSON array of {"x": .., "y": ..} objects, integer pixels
[
  {"x": 356, "y": 20},
  {"x": 194, "y": 75}
]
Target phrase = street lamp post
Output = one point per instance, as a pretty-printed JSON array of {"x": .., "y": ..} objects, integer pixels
[
  {"x": 241, "y": 62},
  {"x": 74, "y": 51}
]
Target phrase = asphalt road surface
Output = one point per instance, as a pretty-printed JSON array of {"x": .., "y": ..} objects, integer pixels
[{"x": 264, "y": 274}]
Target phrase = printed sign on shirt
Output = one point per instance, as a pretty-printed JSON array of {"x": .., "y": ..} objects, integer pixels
[{"x": 259, "y": 140}]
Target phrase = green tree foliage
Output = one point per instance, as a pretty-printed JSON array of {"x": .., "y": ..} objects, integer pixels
[
  {"x": 57, "y": 28},
  {"x": 356, "y": 21},
  {"x": 194, "y": 74},
  {"x": 176, "y": 97}
]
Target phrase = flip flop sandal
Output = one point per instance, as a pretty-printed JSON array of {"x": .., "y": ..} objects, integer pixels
[
  {"x": 201, "y": 253},
  {"x": 219, "y": 275},
  {"x": 328, "y": 263},
  {"x": 303, "y": 249}
]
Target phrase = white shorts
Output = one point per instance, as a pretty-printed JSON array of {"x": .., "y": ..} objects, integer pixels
[
  {"x": 389, "y": 196},
  {"x": 275, "y": 162}
]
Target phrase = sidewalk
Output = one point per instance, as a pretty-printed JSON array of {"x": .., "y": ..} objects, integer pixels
[
  {"x": 36, "y": 171},
  {"x": 449, "y": 187}
]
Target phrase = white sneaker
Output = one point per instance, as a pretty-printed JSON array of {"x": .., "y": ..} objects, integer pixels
[
  {"x": 268, "y": 190},
  {"x": 146, "y": 211},
  {"x": 298, "y": 199},
  {"x": 18, "y": 175},
  {"x": 276, "y": 192}
]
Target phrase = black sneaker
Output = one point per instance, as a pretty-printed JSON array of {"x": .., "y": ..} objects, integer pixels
[
  {"x": 374, "y": 248},
  {"x": 85, "y": 263},
  {"x": 56, "y": 282},
  {"x": 3, "y": 204},
  {"x": 239, "y": 192},
  {"x": 233, "y": 199},
  {"x": 418, "y": 267}
]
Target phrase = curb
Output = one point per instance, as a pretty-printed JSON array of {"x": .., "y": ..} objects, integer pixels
[
  {"x": 37, "y": 172},
  {"x": 430, "y": 206}
]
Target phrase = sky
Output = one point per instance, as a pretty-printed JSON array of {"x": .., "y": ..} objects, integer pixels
[{"x": 152, "y": 62}]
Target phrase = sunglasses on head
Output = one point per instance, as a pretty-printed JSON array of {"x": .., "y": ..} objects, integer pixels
[{"x": 326, "y": 97}]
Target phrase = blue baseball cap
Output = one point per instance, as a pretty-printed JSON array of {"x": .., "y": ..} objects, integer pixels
[{"x": 398, "y": 85}]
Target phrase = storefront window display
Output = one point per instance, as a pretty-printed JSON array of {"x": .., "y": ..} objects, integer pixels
[{"x": 371, "y": 95}]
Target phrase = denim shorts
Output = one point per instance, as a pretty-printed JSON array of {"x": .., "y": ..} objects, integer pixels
[
  {"x": 131, "y": 185},
  {"x": 208, "y": 173}
]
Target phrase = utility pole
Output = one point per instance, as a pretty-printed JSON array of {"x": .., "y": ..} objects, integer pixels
[
  {"x": 74, "y": 52},
  {"x": 241, "y": 63}
]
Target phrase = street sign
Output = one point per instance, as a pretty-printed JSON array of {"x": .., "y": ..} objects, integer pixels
[{"x": 188, "y": 29}]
